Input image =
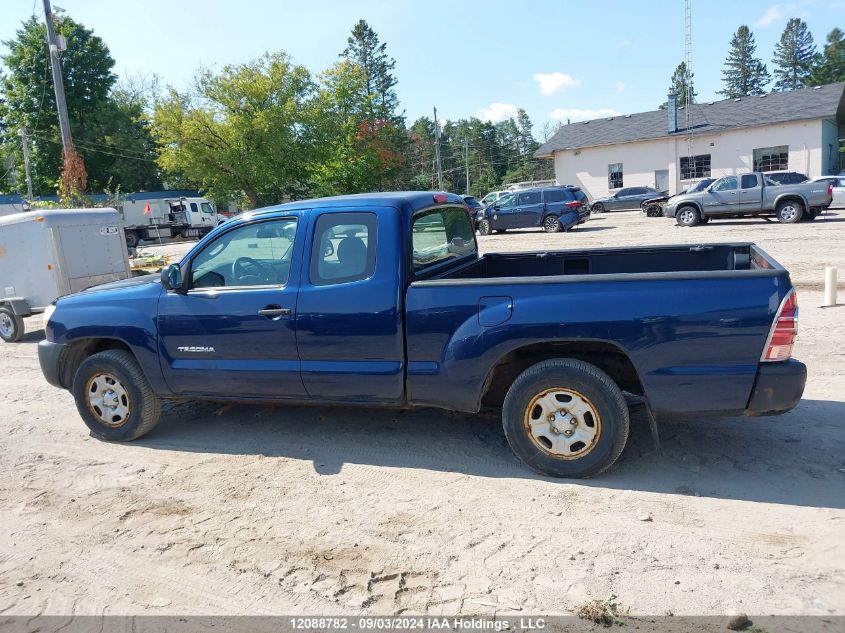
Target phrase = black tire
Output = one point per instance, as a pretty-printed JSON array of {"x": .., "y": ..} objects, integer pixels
[
  {"x": 789, "y": 211},
  {"x": 142, "y": 405},
  {"x": 551, "y": 224},
  {"x": 484, "y": 227},
  {"x": 589, "y": 385},
  {"x": 687, "y": 216},
  {"x": 11, "y": 325},
  {"x": 598, "y": 207},
  {"x": 132, "y": 239}
]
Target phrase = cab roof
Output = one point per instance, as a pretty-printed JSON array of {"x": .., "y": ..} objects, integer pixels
[{"x": 406, "y": 201}]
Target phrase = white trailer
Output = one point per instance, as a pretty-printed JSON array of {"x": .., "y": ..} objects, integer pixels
[
  {"x": 167, "y": 217},
  {"x": 47, "y": 254}
]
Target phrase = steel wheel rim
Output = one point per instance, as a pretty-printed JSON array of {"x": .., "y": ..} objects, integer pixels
[
  {"x": 562, "y": 423},
  {"x": 107, "y": 399},
  {"x": 687, "y": 216},
  {"x": 551, "y": 224},
  {"x": 7, "y": 326},
  {"x": 788, "y": 212}
]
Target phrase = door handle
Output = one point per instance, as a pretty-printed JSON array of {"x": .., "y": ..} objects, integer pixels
[{"x": 275, "y": 312}]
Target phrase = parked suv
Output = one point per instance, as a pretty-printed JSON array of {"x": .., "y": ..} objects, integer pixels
[
  {"x": 626, "y": 199},
  {"x": 552, "y": 208},
  {"x": 786, "y": 177}
]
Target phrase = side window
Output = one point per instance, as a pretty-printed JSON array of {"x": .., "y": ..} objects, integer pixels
[
  {"x": 530, "y": 197},
  {"x": 194, "y": 208},
  {"x": 207, "y": 208},
  {"x": 748, "y": 181},
  {"x": 256, "y": 254},
  {"x": 441, "y": 234},
  {"x": 344, "y": 248},
  {"x": 507, "y": 200},
  {"x": 623, "y": 192},
  {"x": 555, "y": 195},
  {"x": 726, "y": 184}
]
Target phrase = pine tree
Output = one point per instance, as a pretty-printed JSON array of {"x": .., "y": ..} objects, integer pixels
[
  {"x": 681, "y": 78},
  {"x": 795, "y": 56},
  {"x": 831, "y": 66},
  {"x": 364, "y": 49},
  {"x": 744, "y": 74}
]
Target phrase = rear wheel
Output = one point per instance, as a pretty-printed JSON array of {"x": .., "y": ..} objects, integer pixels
[
  {"x": 11, "y": 325},
  {"x": 790, "y": 211},
  {"x": 484, "y": 227},
  {"x": 551, "y": 224},
  {"x": 687, "y": 216},
  {"x": 566, "y": 418},
  {"x": 113, "y": 396}
]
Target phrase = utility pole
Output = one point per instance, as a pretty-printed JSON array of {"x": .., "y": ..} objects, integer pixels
[
  {"x": 688, "y": 63},
  {"x": 25, "y": 144},
  {"x": 58, "y": 85},
  {"x": 436, "y": 150},
  {"x": 466, "y": 160}
]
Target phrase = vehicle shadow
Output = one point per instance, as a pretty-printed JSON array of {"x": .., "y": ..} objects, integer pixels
[
  {"x": 585, "y": 229},
  {"x": 794, "y": 459}
]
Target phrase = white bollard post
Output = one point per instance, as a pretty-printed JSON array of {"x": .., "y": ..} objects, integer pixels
[{"x": 829, "y": 286}]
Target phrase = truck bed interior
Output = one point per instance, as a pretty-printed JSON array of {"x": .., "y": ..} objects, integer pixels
[{"x": 692, "y": 258}]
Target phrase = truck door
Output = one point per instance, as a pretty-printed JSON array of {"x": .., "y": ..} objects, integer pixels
[
  {"x": 233, "y": 333},
  {"x": 503, "y": 212},
  {"x": 349, "y": 317},
  {"x": 723, "y": 197},
  {"x": 750, "y": 193},
  {"x": 529, "y": 210}
]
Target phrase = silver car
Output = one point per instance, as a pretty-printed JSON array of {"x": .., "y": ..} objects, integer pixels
[{"x": 626, "y": 199}]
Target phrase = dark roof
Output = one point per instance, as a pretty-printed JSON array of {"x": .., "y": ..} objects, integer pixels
[
  {"x": 707, "y": 118},
  {"x": 412, "y": 200}
]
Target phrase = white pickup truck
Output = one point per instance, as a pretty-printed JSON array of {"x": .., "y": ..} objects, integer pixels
[{"x": 750, "y": 194}]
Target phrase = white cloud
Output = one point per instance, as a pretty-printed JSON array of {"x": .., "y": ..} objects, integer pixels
[
  {"x": 497, "y": 112},
  {"x": 620, "y": 85},
  {"x": 774, "y": 14},
  {"x": 578, "y": 114},
  {"x": 551, "y": 83}
]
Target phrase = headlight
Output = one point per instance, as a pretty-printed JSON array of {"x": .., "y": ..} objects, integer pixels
[{"x": 48, "y": 312}]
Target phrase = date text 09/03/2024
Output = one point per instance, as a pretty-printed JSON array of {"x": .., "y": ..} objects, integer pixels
[{"x": 417, "y": 623}]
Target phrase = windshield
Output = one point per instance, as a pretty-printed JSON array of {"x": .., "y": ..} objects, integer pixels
[
  {"x": 441, "y": 234},
  {"x": 701, "y": 185}
]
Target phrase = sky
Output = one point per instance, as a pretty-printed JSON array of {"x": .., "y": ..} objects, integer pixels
[{"x": 557, "y": 59}]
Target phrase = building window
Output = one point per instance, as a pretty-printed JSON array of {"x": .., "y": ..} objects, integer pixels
[
  {"x": 695, "y": 167},
  {"x": 614, "y": 176},
  {"x": 771, "y": 158}
]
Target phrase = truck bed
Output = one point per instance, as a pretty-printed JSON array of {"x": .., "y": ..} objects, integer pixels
[
  {"x": 693, "y": 320},
  {"x": 706, "y": 258}
]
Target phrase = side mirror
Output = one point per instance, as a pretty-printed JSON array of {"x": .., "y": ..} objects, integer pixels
[{"x": 171, "y": 278}]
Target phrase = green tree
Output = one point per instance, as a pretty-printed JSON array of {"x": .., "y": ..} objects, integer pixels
[
  {"x": 244, "y": 133},
  {"x": 795, "y": 55},
  {"x": 831, "y": 65},
  {"x": 28, "y": 99},
  {"x": 377, "y": 91},
  {"x": 680, "y": 83},
  {"x": 744, "y": 74}
]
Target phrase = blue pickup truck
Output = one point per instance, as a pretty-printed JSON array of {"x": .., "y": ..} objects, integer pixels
[{"x": 383, "y": 299}]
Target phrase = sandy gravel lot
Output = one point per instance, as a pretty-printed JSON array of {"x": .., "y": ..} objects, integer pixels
[{"x": 282, "y": 510}]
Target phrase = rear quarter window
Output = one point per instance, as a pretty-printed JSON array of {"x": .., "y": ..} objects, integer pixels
[{"x": 557, "y": 195}]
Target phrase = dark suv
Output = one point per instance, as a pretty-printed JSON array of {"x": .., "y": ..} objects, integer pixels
[
  {"x": 786, "y": 177},
  {"x": 552, "y": 208}
]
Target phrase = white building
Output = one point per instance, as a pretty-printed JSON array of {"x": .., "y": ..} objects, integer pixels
[{"x": 796, "y": 131}]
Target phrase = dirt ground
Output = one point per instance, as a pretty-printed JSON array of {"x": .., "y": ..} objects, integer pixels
[{"x": 287, "y": 510}]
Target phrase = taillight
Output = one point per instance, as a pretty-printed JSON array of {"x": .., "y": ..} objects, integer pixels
[
  {"x": 574, "y": 204},
  {"x": 830, "y": 189},
  {"x": 782, "y": 335}
]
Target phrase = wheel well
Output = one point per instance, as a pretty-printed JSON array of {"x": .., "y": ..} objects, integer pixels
[
  {"x": 606, "y": 356},
  {"x": 791, "y": 198},
  {"x": 78, "y": 351}
]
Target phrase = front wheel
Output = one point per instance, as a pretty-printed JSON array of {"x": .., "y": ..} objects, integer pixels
[
  {"x": 484, "y": 227},
  {"x": 566, "y": 418},
  {"x": 687, "y": 216},
  {"x": 790, "y": 212},
  {"x": 113, "y": 396},
  {"x": 551, "y": 224},
  {"x": 11, "y": 325},
  {"x": 132, "y": 239},
  {"x": 598, "y": 207}
]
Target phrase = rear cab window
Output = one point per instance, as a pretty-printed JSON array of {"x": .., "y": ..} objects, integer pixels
[
  {"x": 748, "y": 181},
  {"x": 440, "y": 235},
  {"x": 344, "y": 248}
]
